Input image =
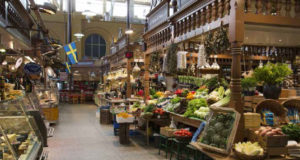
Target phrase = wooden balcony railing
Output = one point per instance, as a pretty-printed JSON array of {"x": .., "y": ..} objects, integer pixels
[
  {"x": 284, "y": 8},
  {"x": 15, "y": 16}
]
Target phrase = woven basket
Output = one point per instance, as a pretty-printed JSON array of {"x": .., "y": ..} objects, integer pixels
[
  {"x": 273, "y": 105},
  {"x": 242, "y": 156}
]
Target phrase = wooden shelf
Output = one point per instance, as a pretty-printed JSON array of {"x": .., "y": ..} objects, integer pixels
[{"x": 187, "y": 121}]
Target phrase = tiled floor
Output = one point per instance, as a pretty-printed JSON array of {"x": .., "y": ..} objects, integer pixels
[{"x": 79, "y": 136}]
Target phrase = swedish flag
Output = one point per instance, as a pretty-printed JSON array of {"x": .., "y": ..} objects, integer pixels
[
  {"x": 68, "y": 69},
  {"x": 71, "y": 51}
]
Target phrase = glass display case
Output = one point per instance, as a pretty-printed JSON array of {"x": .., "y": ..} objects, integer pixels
[
  {"x": 18, "y": 138},
  {"x": 48, "y": 99},
  {"x": 22, "y": 107}
]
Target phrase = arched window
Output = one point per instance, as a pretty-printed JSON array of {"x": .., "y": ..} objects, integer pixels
[{"x": 95, "y": 46}]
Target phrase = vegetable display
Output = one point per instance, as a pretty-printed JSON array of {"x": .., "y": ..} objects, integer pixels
[
  {"x": 216, "y": 95},
  {"x": 202, "y": 112},
  {"x": 183, "y": 133},
  {"x": 218, "y": 130},
  {"x": 159, "y": 111},
  {"x": 269, "y": 131},
  {"x": 293, "y": 131},
  {"x": 248, "y": 148},
  {"x": 193, "y": 106}
]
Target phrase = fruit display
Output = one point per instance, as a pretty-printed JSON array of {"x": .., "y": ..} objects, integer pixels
[
  {"x": 249, "y": 148},
  {"x": 124, "y": 115},
  {"x": 218, "y": 130}
]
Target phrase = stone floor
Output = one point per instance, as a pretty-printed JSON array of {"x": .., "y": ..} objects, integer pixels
[{"x": 79, "y": 136}]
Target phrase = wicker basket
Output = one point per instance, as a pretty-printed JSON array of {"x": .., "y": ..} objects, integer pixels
[
  {"x": 273, "y": 105},
  {"x": 242, "y": 156}
]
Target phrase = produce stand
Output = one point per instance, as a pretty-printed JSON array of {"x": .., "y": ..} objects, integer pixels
[
  {"x": 187, "y": 121},
  {"x": 238, "y": 36}
]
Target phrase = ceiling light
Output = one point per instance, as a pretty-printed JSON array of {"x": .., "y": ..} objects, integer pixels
[
  {"x": 2, "y": 50},
  {"x": 48, "y": 8},
  {"x": 4, "y": 63},
  {"x": 129, "y": 31}
]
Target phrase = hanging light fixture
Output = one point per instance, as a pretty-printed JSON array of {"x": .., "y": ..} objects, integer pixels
[
  {"x": 128, "y": 31},
  {"x": 136, "y": 68},
  {"x": 47, "y": 8},
  {"x": 79, "y": 36}
]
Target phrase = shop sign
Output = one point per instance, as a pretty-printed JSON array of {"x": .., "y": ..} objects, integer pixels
[{"x": 158, "y": 17}]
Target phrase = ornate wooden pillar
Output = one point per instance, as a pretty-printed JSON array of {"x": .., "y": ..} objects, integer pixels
[
  {"x": 129, "y": 73},
  {"x": 146, "y": 77},
  {"x": 236, "y": 37}
]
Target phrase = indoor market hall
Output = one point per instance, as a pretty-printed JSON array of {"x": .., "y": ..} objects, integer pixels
[{"x": 149, "y": 79}]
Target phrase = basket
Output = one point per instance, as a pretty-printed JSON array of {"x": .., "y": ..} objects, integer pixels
[
  {"x": 242, "y": 156},
  {"x": 147, "y": 116},
  {"x": 273, "y": 105},
  {"x": 252, "y": 120},
  {"x": 183, "y": 138},
  {"x": 167, "y": 133}
]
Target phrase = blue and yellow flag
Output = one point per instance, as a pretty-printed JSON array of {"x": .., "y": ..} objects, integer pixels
[
  {"x": 71, "y": 51},
  {"x": 68, "y": 69}
]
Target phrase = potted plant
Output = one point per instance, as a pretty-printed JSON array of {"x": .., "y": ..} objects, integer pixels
[
  {"x": 248, "y": 86},
  {"x": 272, "y": 76}
]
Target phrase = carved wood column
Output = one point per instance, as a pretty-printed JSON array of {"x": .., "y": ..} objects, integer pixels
[
  {"x": 129, "y": 73},
  {"x": 146, "y": 77},
  {"x": 236, "y": 37}
]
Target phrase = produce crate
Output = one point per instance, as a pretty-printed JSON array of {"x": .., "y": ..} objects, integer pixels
[
  {"x": 214, "y": 114},
  {"x": 286, "y": 93},
  {"x": 124, "y": 133},
  {"x": 267, "y": 141},
  {"x": 105, "y": 116},
  {"x": 276, "y": 141},
  {"x": 252, "y": 120},
  {"x": 166, "y": 132},
  {"x": 51, "y": 114},
  {"x": 255, "y": 138}
]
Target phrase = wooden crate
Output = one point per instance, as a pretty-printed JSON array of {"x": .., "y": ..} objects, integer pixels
[
  {"x": 286, "y": 93},
  {"x": 252, "y": 120},
  {"x": 105, "y": 116},
  {"x": 218, "y": 110},
  {"x": 51, "y": 114},
  {"x": 276, "y": 141},
  {"x": 124, "y": 133},
  {"x": 267, "y": 141},
  {"x": 276, "y": 151},
  {"x": 251, "y": 136},
  {"x": 167, "y": 133}
]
